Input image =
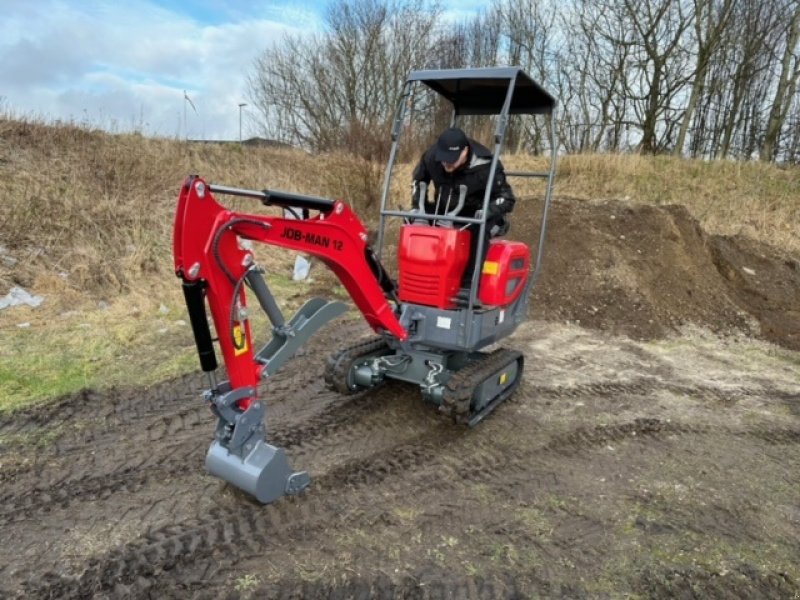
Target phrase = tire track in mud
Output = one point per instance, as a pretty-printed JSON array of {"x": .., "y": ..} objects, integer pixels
[
  {"x": 175, "y": 459},
  {"x": 82, "y": 476},
  {"x": 80, "y": 482},
  {"x": 741, "y": 581},
  {"x": 400, "y": 469},
  {"x": 124, "y": 404},
  {"x": 425, "y": 585},
  {"x": 646, "y": 385},
  {"x": 140, "y": 565},
  {"x": 324, "y": 422}
]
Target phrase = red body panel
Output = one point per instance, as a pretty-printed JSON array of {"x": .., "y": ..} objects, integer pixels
[
  {"x": 431, "y": 264},
  {"x": 505, "y": 272},
  {"x": 206, "y": 247}
]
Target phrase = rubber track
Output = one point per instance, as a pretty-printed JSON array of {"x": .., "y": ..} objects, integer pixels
[{"x": 460, "y": 387}]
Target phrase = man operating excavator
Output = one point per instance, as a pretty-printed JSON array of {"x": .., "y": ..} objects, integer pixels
[{"x": 459, "y": 168}]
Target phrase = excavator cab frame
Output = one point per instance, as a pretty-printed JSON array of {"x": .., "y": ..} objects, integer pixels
[{"x": 489, "y": 91}]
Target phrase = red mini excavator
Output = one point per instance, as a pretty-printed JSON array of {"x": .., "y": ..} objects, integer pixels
[{"x": 429, "y": 332}]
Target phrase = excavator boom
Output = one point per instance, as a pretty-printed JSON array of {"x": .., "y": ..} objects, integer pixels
[{"x": 213, "y": 258}]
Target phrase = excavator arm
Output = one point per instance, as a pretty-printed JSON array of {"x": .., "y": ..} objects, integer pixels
[{"x": 213, "y": 258}]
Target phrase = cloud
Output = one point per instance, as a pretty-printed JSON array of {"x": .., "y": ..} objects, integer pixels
[{"x": 124, "y": 66}]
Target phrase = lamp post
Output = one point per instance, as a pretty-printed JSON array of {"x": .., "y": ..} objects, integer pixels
[{"x": 241, "y": 106}]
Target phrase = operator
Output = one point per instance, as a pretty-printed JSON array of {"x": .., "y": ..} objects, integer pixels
[{"x": 454, "y": 161}]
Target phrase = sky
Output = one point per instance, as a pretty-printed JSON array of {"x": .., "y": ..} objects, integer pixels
[{"x": 131, "y": 65}]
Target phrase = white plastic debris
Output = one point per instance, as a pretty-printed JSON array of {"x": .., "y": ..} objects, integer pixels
[
  {"x": 301, "y": 268},
  {"x": 748, "y": 271},
  {"x": 18, "y": 296}
]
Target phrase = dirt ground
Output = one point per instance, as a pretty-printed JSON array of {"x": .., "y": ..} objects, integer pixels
[{"x": 652, "y": 451}]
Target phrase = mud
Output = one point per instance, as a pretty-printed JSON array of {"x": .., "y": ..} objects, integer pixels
[{"x": 652, "y": 450}]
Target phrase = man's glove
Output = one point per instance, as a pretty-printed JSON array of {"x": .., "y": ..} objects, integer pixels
[
  {"x": 416, "y": 219},
  {"x": 499, "y": 206}
]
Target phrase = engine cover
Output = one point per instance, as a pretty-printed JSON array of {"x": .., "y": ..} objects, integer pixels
[{"x": 431, "y": 263}]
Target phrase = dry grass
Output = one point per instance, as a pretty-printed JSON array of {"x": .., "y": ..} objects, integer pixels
[
  {"x": 94, "y": 210},
  {"x": 759, "y": 200}
]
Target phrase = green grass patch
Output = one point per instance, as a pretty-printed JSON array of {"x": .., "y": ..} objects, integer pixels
[
  {"x": 136, "y": 340},
  {"x": 119, "y": 345}
]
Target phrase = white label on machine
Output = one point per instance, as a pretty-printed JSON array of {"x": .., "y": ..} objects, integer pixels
[
  {"x": 443, "y": 322},
  {"x": 501, "y": 316}
]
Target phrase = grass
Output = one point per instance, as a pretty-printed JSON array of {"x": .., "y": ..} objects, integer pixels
[
  {"x": 138, "y": 338},
  {"x": 122, "y": 344}
]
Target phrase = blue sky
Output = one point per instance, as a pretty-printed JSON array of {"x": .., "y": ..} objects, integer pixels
[{"x": 124, "y": 66}]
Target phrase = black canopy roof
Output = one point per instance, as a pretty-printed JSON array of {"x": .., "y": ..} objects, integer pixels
[{"x": 483, "y": 91}]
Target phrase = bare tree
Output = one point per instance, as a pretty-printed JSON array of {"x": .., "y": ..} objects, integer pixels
[
  {"x": 592, "y": 77},
  {"x": 715, "y": 78},
  {"x": 530, "y": 30},
  {"x": 711, "y": 19},
  {"x": 785, "y": 89},
  {"x": 741, "y": 79},
  {"x": 339, "y": 89}
]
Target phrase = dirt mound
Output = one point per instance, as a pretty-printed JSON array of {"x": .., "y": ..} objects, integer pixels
[{"x": 645, "y": 271}]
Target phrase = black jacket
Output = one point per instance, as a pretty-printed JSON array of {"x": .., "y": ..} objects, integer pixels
[{"x": 475, "y": 175}]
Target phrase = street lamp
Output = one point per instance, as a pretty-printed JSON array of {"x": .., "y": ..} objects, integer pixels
[{"x": 241, "y": 106}]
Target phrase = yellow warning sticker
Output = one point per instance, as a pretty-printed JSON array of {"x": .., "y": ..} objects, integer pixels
[
  {"x": 239, "y": 341},
  {"x": 503, "y": 378},
  {"x": 490, "y": 267}
]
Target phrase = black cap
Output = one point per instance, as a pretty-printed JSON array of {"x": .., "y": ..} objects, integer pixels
[{"x": 450, "y": 145}]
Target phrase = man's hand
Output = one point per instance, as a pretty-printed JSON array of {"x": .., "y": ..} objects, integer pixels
[{"x": 499, "y": 206}]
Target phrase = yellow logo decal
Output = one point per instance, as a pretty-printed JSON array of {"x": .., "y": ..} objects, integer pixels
[
  {"x": 503, "y": 378},
  {"x": 239, "y": 341}
]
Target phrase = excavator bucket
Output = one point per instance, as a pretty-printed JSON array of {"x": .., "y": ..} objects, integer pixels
[{"x": 264, "y": 472}]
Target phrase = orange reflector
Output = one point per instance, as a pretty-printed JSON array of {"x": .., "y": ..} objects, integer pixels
[{"x": 491, "y": 267}]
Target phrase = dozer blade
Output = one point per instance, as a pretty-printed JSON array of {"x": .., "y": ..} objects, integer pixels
[{"x": 264, "y": 473}]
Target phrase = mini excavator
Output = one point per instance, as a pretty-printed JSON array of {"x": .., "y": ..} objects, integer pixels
[{"x": 428, "y": 331}]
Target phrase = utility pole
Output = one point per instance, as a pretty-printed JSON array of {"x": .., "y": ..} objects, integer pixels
[{"x": 241, "y": 106}]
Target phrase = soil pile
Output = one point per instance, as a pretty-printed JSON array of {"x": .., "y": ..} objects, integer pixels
[{"x": 644, "y": 271}]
